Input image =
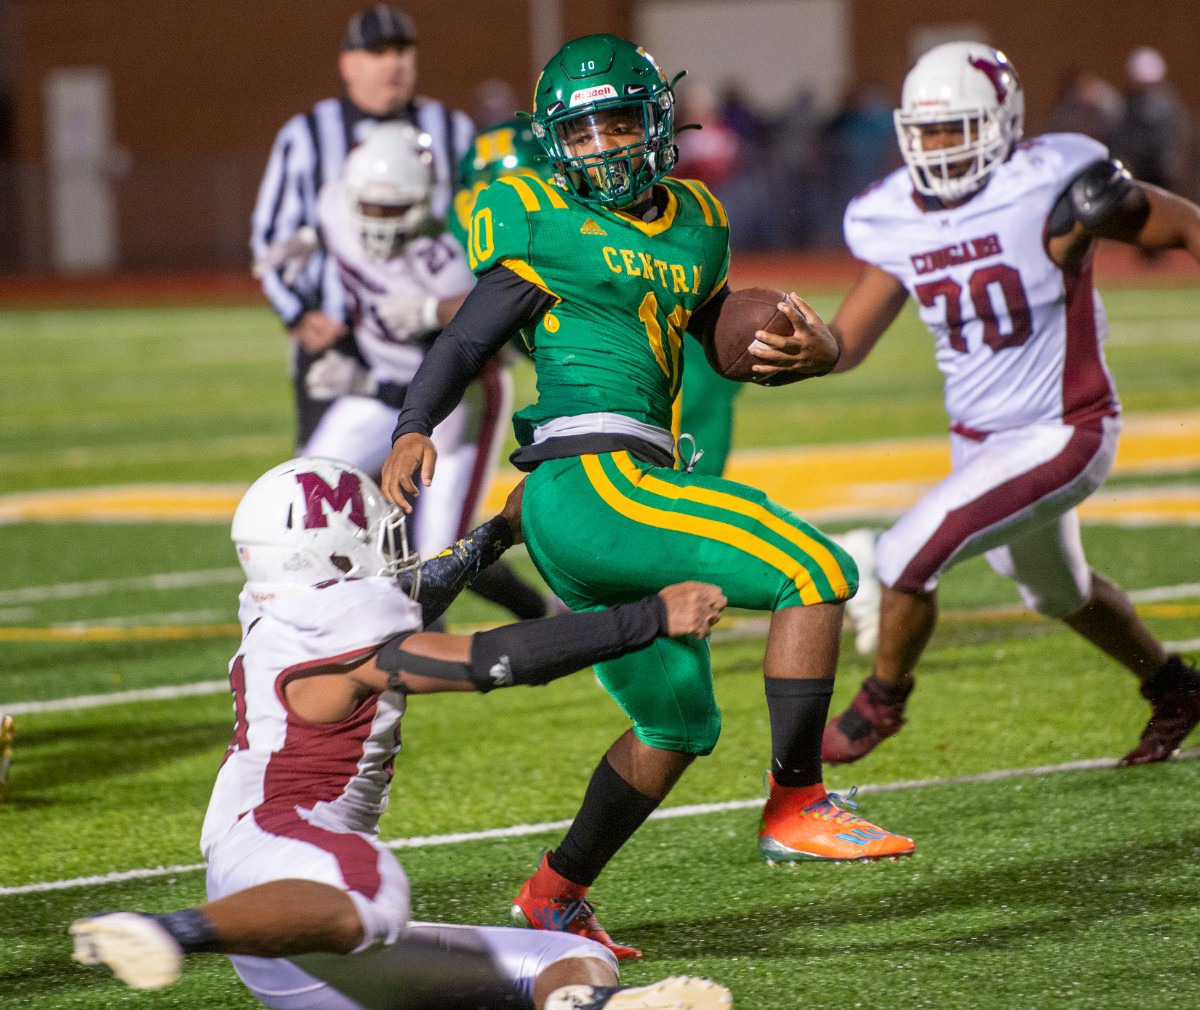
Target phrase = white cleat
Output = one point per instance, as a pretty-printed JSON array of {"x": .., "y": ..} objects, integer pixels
[
  {"x": 133, "y": 947},
  {"x": 862, "y": 612},
  {"x": 676, "y": 993}
]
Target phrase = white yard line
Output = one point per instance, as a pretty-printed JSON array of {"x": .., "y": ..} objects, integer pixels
[
  {"x": 117, "y": 698},
  {"x": 521, "y": 830},
  {"x": 101, "y": 587}
]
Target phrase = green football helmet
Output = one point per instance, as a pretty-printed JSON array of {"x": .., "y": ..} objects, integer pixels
[
  {"x": 504, "y": 149},
  {"x": 596, "y": 89}
]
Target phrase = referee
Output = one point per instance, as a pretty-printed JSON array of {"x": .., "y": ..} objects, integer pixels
[{"x": 378, "y": 65}]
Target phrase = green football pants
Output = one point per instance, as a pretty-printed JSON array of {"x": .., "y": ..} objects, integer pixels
[{"x": 608, "y": 529}]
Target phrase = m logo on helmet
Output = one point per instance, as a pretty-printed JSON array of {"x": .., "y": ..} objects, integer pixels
[{"x": 318, "y": 493}]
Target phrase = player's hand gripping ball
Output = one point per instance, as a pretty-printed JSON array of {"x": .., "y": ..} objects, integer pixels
[{"x": 743, "y": 313}]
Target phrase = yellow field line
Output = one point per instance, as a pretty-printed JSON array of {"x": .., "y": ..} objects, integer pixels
[
  {"x": 185, "y": 631},
  {"x": 821, "y": 483}
]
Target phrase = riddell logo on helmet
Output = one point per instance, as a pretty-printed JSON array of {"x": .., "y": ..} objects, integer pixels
[
  {"x": 317, "y": 492},
  {"x": 593, "y": 94}
]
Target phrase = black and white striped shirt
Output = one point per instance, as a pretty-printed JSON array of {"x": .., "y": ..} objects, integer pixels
[{"x": 309, "y": 150}]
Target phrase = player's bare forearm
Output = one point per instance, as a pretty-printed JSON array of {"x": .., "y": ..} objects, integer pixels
[
  {"x": 1173, "y": 222},
  {"x": 869, "y": 308}
]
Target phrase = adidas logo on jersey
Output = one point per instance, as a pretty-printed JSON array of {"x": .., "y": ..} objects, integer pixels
[{"x": 591, "y": 228}]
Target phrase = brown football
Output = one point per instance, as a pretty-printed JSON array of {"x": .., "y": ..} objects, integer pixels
[{"x": 744, "y": 312}]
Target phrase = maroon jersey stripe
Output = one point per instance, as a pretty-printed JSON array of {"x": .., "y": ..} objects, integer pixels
[{"x": 1086, "y": 391}]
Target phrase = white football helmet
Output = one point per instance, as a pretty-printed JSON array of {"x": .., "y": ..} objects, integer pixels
[
  {"x": 967, "y": 84},
  {"x": 313, "y": 520},
  {"x": 388, "y": 180}
]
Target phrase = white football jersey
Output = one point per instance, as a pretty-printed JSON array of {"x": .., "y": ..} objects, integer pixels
[
  {"x": 337, "y": 773},
  {"x": 1018, "y": 340},
  {"x": 427, "y": 266}
]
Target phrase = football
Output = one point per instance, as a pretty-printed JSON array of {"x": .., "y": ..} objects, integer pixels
[{"x": 744, "y": 312}]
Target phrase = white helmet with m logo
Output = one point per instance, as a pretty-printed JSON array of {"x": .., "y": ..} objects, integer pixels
[{"x": 312, "y": 520}]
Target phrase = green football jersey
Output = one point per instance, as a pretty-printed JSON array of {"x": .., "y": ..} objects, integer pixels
[{"x": 625, "y": 291}]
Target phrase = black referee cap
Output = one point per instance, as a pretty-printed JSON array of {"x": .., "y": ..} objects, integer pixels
[{"x": 377, "y": 25}]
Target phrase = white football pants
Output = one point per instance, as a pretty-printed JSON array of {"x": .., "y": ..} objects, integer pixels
[
  {"x": 358, "y": 430},
  {"x": 1011, "y": 497},
  {"x": 401, "y": 964}
]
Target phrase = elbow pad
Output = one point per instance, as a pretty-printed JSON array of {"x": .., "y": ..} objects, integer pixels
[{"x": 1093, "y": 196}]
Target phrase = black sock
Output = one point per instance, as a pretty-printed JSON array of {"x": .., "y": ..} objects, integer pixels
[
  {"x": 612, "y": 811},
  {"x": 1174, "y": 675},
  {"x": 798, "y": 710},
  {"x": 191, "y": 929},
  {"x": 500, "y": 584}
]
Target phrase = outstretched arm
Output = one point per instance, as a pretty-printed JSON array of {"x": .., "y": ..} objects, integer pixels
[{"x": 537, "y": 652}]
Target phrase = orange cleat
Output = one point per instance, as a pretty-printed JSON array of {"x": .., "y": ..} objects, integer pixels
[
  {"x": 550, "y": 901},
  {"x": 796, "y": 827}
]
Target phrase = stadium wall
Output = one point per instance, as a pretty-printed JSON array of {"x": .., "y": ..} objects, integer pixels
[{"x": 198, "y": 90}]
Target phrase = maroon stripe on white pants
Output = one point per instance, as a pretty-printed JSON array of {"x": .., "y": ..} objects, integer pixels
[
  {"x": 998, "y": 503},
  {"x": 357, "y": 859}
]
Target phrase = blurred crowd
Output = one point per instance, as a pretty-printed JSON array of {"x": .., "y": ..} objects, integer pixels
[{"x": 785, "y": 178}]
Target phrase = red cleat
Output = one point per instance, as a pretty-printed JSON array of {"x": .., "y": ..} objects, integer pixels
[
  {"x": 876, "y": 713},
  {"x": 550, "y": 901}
]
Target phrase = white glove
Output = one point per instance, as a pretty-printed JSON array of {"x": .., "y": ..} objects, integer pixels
[
  {"x": 288, "y": 255},
  {"x": 408, "y": 315},
  {"x": 334, "y": 374}
]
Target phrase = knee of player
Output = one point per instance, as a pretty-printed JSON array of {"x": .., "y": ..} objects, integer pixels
[
  {"x": 381, "y": 920},
  {"x": 1057, "y": 602},
  {"x": 696, "y": 735},
  {"x": 823, "y": 572},
  {"x": 581, "y": 959},
  {"x": 896, "y": 568}
]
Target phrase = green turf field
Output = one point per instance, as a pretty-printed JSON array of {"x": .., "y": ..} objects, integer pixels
[{"x": 1057, "y": 887}]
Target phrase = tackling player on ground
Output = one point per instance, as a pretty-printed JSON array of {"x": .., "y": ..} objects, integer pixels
[
  {"x": 606, "y": 271},
  {"x": 993, "y": 237},
  {"x": 311, "y": 907}
]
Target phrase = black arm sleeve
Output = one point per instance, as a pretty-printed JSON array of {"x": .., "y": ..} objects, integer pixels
[
  {"x": 537, "y": 652},
  {"x": 1102, "y": 194},
  {"x": 704, "y": 319},
  {"x": 442, "y": 578},
  {"x": 499, "y": 305}
]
